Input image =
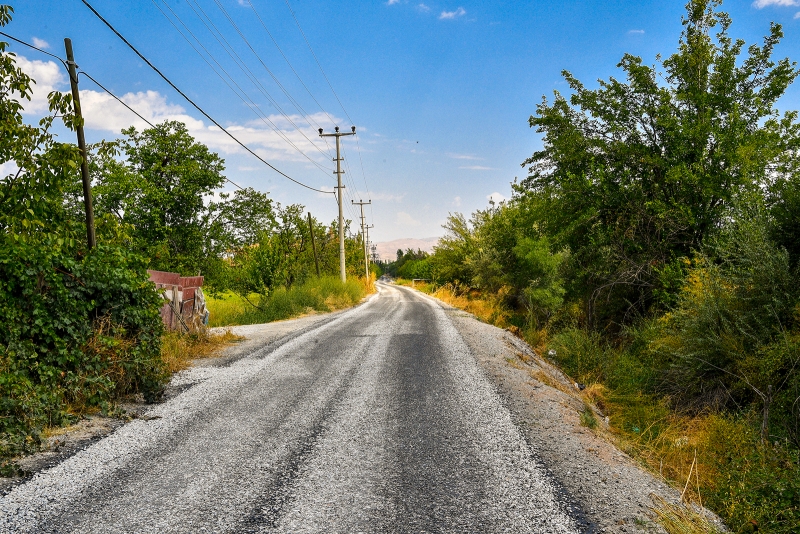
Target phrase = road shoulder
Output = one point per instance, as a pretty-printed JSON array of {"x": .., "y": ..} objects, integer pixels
[
  {"x": 65, "y": 442},
  {"x": 613, "y": 492}
]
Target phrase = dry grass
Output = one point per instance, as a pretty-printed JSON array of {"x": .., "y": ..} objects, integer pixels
[
  {"x": 178, "y": 350},
  {"x": 488, "y": 310},
  {"x": 681, "y": 519}
]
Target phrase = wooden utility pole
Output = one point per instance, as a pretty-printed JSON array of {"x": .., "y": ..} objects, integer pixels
[
  {"x": 313, "y": 242},
  {"x": 339, "y": 192},
  {"x": 87, "y": 185},
  {"x": 361, "y": 204}
]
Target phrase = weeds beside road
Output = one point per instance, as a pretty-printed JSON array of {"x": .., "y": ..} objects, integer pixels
[
  {"x": 717, "y": 460},
  {"x": 324, "y": 294}
]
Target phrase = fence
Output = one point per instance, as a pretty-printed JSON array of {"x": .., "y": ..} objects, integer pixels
[{"x": 184, "y": 303}]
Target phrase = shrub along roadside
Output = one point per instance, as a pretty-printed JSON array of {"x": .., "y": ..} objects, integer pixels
[
  {"x": 323, "y": 294},
  {"x": 80, "y": 331},
  {"x": 732, "y": 472}
]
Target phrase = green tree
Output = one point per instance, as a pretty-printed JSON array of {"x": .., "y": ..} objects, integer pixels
[
  {"x": 160, "y": 191},
  {"x": 637, "y": 173}
]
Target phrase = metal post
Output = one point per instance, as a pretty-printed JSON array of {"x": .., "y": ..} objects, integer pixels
[
  {"x": 87, "y": 185},
  {"x": 313, "y": 243},
  {"x": 339, "y": 195}
]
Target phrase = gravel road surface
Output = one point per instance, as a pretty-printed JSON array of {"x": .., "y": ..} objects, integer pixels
[{"x": 377, "y": 420}]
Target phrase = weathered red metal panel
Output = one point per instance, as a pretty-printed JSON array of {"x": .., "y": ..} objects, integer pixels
[
  {"x": 191, "y": 281},
  {"x": 183, "y": 300}
]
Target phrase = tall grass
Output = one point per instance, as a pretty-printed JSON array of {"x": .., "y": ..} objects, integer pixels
[
  {"x": 714, "y": 459},
  {"x": 315, "y": 295},
  {"x": 487, "y": 309}
]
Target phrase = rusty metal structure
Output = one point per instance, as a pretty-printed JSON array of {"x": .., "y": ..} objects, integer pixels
[{"x": 184, "y": 306}]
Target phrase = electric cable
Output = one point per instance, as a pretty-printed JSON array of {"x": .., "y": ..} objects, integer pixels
[
  {"x": 229, "y": 48},
  {"x": 317, "y": 60},
  {"x": 258, "y": 16},
  {"x": 118, "y": 99},
  {"x": 242, "y": 94},
  {"x": 197, "y": 107},
  {"x": 35, "y": 48},
  {"x": 98, "y": 84},
  {"x": 297, "y": 23},
  {"x": 295, "y": 103}
]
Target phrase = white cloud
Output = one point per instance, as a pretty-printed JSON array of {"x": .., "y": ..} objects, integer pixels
[
  {"x": 423, "y": 8},
  {"x": 102, "y": 112},
  {"x": 476, "y": 168},
  {"x": 47, "y": 76},
  {"x": 465, "y": 156},
  {"x": 392, "y": 2},
  {"x": 404, "y": 219},
  {"x": 761, "y": 4},
  {"x": 635, "y": 32},
  {"x": 40, "y": 43},
  {"x": 457, "y": 202},
  {"x": 496, "y": 197},
  {"x": 448, "y": 15},
  {"x": 386, "y": 197},
  {"x": 797, "y": 15}
]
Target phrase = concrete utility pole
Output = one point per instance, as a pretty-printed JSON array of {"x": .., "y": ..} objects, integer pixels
[
  {"x": 368, "y": 243},
  {"x": 313, "y": 242},
  {"x": 361, "y": 204},
  {"x": 87, "y": 185},
  {"x": 339, "y": 188}
]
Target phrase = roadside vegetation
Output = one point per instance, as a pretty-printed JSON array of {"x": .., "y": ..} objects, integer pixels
[
  {"x": 81, "y": 327},
  {"x": 652, "y": 252},
  {"x": 325, "y": 294}
]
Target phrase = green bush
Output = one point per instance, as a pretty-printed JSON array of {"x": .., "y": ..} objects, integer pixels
[
  {"x": 78, "y": 328},
  {"x": 415, "y": 269},
  {"x": 583, "y": 355},
  {"x": 726, "y": 340}
]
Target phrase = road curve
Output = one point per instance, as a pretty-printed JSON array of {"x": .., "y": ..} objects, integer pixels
[{"x": 376, "y": 421}]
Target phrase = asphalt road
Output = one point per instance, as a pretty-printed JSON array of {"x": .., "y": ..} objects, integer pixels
[{"x": 378, "y": 420}]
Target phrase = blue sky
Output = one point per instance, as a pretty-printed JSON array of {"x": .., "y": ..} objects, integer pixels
[{"x": 440, "y": 91}]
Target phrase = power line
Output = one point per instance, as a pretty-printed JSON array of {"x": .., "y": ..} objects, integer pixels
[
  {"x": 198, "y": 108},
  {"x": 98, "y": 84},
  {"x": 242, "y": 94},
  {"x": 317, "y": 60},
  {"x": 358, "y": 145},
  {"x": 118, "y": 99},
  {"x": 294, "y": 102},
  {"x": 243, "y": 66},
  {"x": 258, "y": 16},
  {"x": 35, "y": 48}
]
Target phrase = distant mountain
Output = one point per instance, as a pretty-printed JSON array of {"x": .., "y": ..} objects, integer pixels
[{"x": 387, "y": 250}]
